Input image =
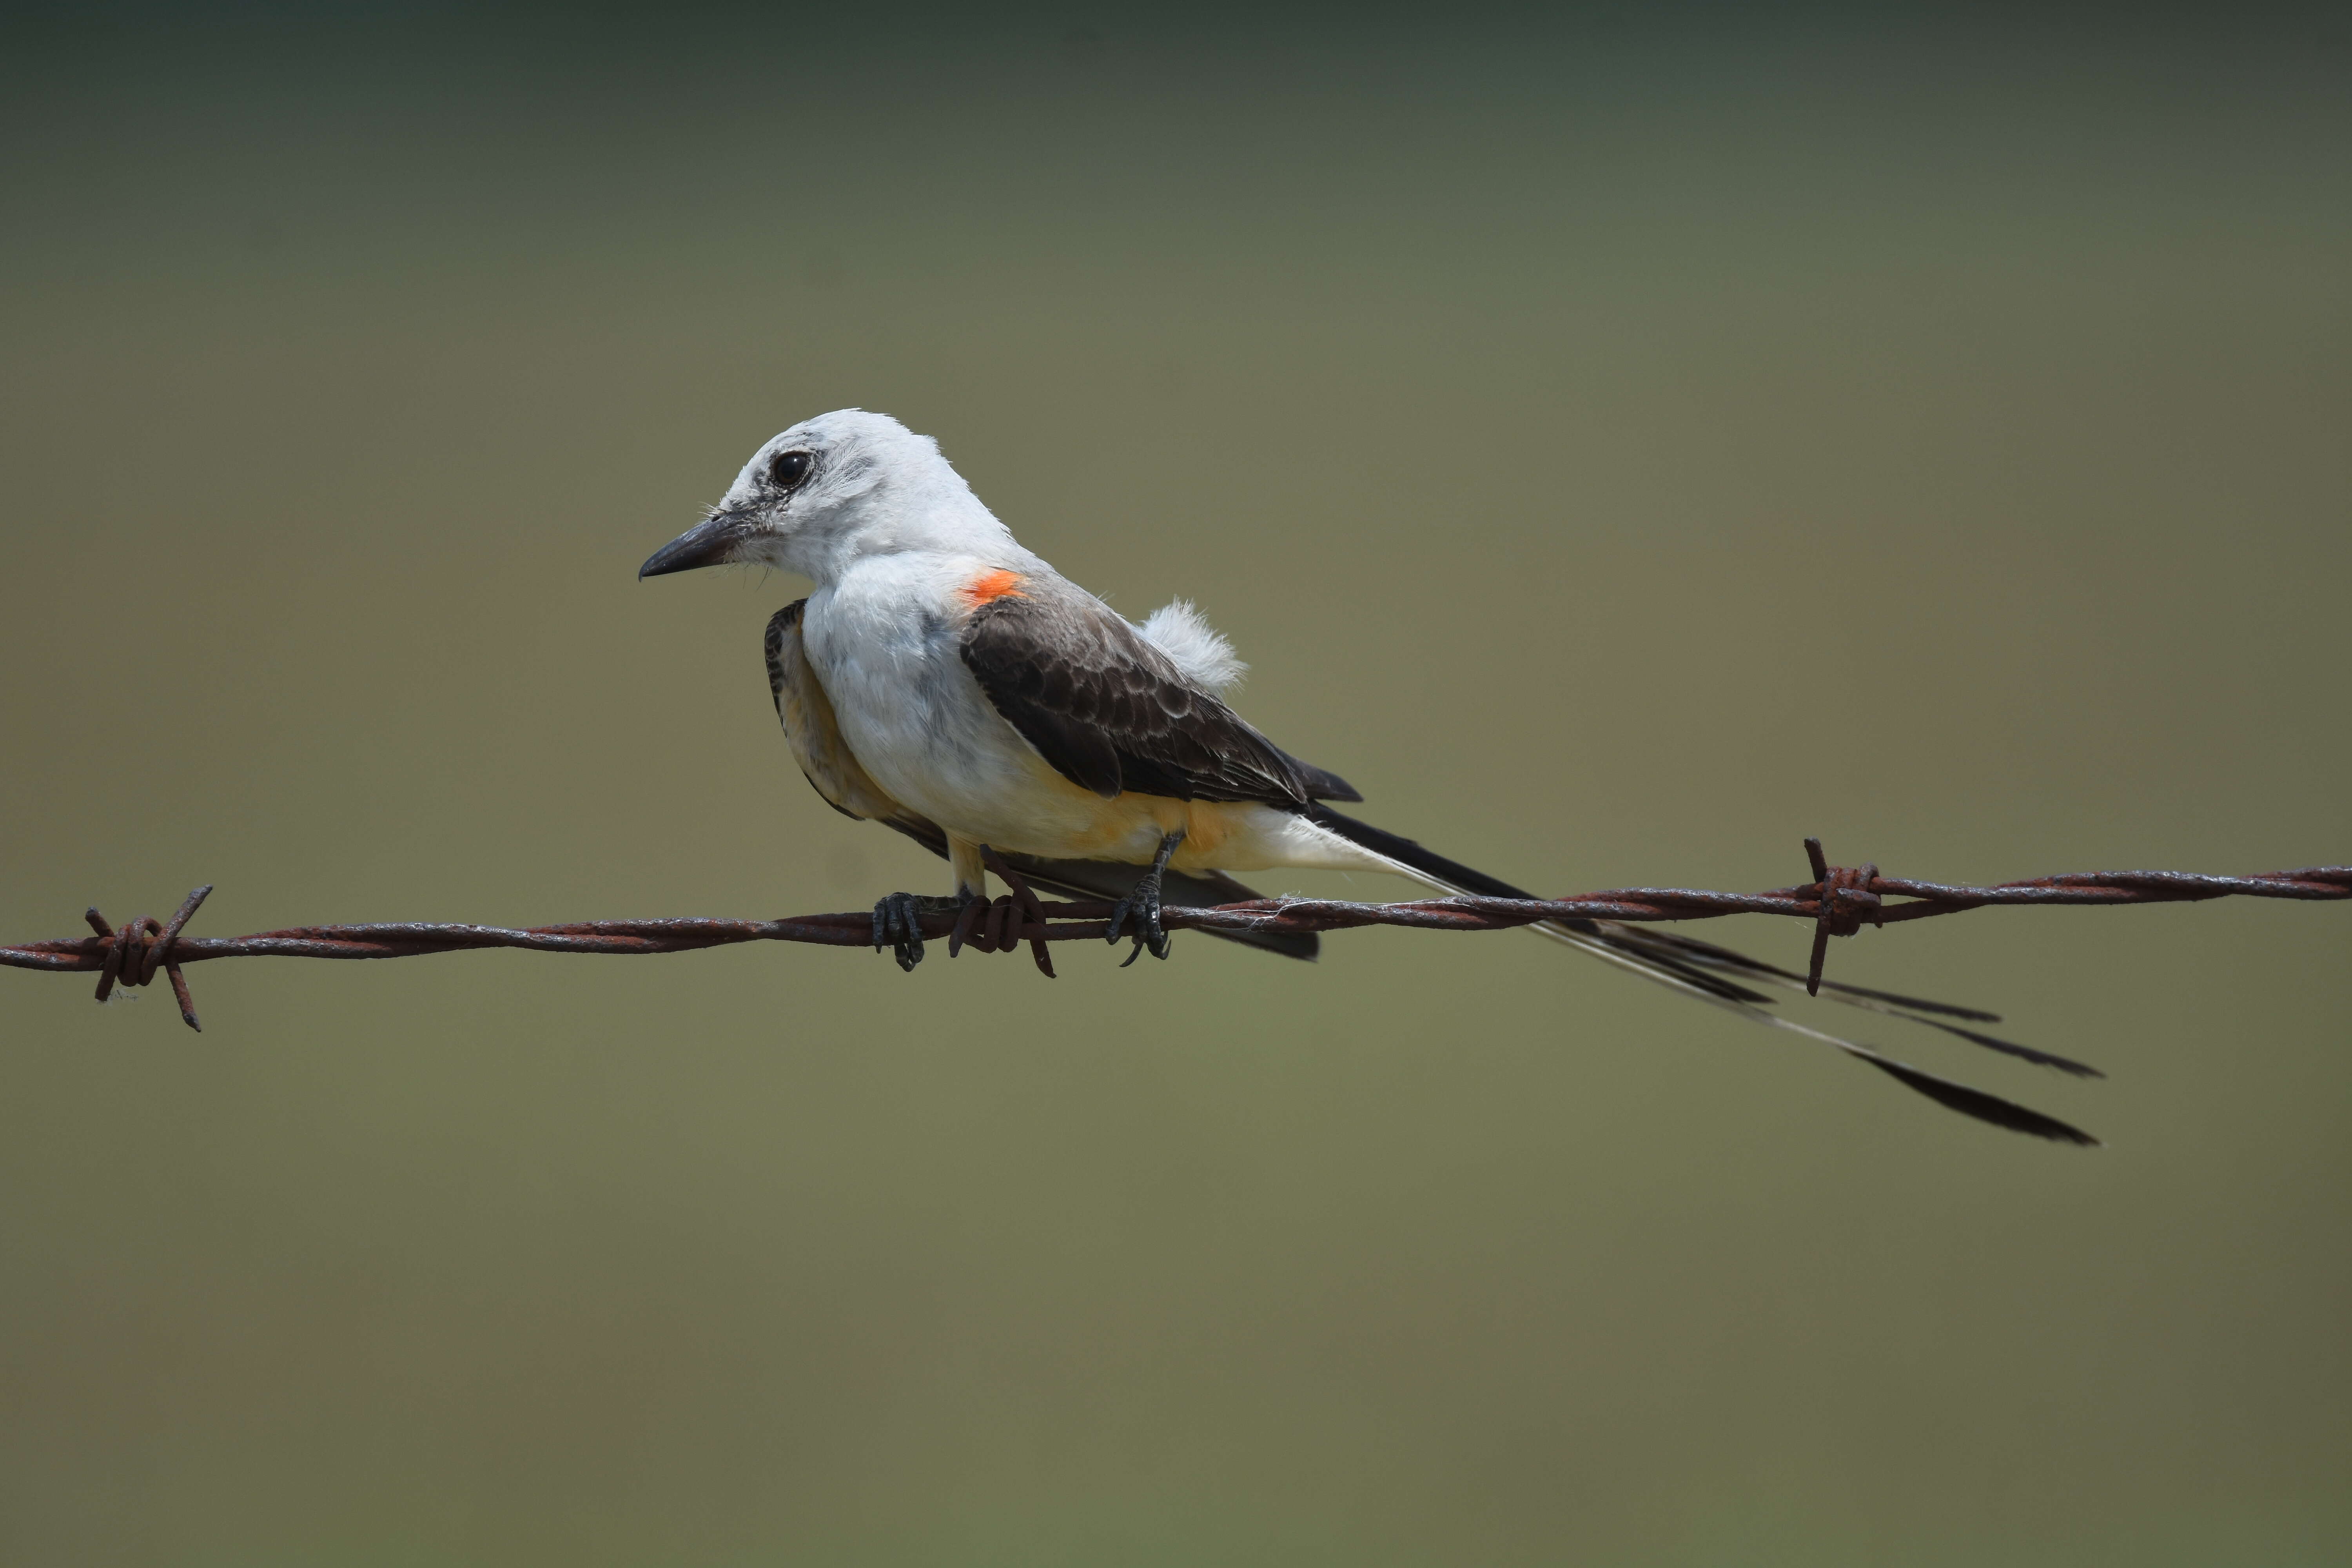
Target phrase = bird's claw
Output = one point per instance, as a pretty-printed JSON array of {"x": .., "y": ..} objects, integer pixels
[
  {"x": 899, "y": 924},
  {"x": 1143, "y": 905},
  {"x": 1142, "y": 902}
]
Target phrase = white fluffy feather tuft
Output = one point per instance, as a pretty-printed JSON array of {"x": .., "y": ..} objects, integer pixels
[{"x": 1200, "y": 650}]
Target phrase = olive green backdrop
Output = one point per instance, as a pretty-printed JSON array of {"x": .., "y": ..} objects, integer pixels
[{"x": 1624, "y": 444}]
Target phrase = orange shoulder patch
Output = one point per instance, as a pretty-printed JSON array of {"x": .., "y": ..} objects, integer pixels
[{"x": 990, "y": 586}]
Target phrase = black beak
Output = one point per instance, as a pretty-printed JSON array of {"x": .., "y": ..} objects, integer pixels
[{"x": 708, "y": 543}]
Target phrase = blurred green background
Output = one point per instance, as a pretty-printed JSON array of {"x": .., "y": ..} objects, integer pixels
[{"x": 1624, "y": 443}]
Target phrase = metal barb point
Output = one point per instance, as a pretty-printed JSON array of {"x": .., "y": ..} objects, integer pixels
[
  {"x": 1022, "y": 908},
  {"x": 153, "y": 943},
  {"x": 1844, "y": 896}
]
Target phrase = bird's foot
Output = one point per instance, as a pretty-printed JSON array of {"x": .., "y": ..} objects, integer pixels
[
  {"x": 899, "y": 924},
  {"x": 1142, "y": 906}
]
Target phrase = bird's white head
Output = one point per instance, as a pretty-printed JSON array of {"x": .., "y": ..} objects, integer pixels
[{"x": 831, "y": 490}]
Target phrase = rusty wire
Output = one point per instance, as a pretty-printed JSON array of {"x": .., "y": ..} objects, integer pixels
[{"x": 1839, "y": 900}]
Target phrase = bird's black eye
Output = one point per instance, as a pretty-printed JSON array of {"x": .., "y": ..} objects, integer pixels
[{"x": 786, "y": 469}]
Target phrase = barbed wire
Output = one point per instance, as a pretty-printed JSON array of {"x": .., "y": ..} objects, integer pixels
[{"x": 1839, "y": 900}]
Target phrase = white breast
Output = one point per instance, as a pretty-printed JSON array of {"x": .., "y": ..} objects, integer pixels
[{"x": 884, "y": 641}]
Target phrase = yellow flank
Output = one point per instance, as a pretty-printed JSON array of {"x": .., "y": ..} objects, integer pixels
[{"x": 1078, "y": 825}]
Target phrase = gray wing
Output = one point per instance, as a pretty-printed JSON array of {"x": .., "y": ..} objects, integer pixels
[{"x": 1111, "y": 713}]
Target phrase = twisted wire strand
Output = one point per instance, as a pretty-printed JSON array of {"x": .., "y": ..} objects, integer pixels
[{"x": 1839, "y": 900}]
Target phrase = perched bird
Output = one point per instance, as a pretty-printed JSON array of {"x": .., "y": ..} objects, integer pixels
[{"x": 944, "y": 681}]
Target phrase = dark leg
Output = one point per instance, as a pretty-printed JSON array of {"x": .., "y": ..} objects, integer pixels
[
  {"x": 1142, "y": 902},
  {"x": 898, "y": 922}
]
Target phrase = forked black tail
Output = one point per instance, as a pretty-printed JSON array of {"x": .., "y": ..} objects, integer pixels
[{"x": 1716, "y": 975}]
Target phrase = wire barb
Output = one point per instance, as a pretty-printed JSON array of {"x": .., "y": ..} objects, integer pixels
[
  {"x": 1844, "y": 899},
  {"x": 129, "y": 956},
  {"x": 1020, "y": 903}
]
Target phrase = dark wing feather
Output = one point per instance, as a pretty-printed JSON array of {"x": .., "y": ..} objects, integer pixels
[
  {"x": 1324, "y": 784},
  {"x": 1111, "y": 713}
]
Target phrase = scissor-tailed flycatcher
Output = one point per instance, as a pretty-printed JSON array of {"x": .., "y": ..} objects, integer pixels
[{"x": 947, "y": 682}]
